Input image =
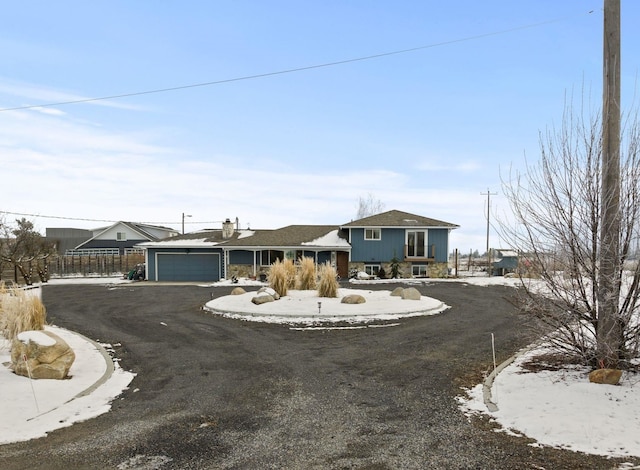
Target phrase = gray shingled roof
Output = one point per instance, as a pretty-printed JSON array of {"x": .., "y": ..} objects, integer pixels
[
  {"x": 291, "y": 236},
  {"x": 396, "y": 218}
]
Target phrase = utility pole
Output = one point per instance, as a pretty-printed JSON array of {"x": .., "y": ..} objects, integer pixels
[
  {"x": 183, "y": 216},
  {"x": 609, "y": 336},
  {"x": 488, "y": 194}
]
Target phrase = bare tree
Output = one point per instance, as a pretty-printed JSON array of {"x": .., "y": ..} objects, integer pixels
[
  {"x": 369, "y": 206},
  {"x": 26, "y": 249},
  {"x": 557, "y": 228}
]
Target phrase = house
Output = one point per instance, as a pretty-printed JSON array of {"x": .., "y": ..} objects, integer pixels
[
  {"x": 210, "y": 255},
  {"x": 413, "y": 241},
  {"x": 119, "y": 238},
  {"x": 366, "y": 244}
]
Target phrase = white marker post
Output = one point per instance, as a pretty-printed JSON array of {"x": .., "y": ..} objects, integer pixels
[{"x": 24, "y": 358}]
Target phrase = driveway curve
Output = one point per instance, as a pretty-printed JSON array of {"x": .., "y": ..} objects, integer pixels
[{"x": 218, "y": 393}]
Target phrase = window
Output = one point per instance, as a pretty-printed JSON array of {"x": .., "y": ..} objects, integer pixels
[
  {"x": 372, "y": 269},
  {"x": 121, "y": 236},
  {"x": 293, "y": 255},
  {"x": 419, "y": 270},
  {"x": 416, "y": 244},
  {"x": 268, "y": 257},
  {"x": 372, "y": 234}
]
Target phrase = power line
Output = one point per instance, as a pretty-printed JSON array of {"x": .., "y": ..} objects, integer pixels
[
  {"x": 286, "y": 71},
  {"x": 84, "y": 219}
]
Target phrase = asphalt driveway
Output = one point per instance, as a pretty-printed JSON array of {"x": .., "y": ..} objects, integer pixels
[{"x": 215, "y": 393}]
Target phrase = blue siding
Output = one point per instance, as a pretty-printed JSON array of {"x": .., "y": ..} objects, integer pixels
[
  {"x": 440, "y": 238},
  {"x": 391, "y": 244}
]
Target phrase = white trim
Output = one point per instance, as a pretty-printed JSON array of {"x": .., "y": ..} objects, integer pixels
[
  {"x": 425, "y": 246},
  {"x": 373, "y": 232}
]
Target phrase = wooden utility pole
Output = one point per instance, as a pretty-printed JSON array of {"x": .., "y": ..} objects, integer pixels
[
  {"x": 609, "y": 333},
  {"x": 488, "y": 194}
]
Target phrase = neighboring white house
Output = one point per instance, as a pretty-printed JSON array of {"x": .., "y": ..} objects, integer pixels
[{"x": 119, "y": 238}]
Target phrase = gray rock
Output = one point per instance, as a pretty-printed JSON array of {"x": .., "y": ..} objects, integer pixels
[
  {"x": 411, "y": 293},
  {"x": 397, "y": 292},
  {"x": 353, "y": 299},
  {"x": 262, "y": 298},
  {"x": 270, "y": 291}
]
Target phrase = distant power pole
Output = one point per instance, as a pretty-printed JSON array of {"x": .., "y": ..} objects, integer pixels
[{"x": 488, "y": 194}]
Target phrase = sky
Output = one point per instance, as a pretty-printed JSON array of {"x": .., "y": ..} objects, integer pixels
[
  {"x": 560, "y": 408},
  {"x": 271, "y": 133}
]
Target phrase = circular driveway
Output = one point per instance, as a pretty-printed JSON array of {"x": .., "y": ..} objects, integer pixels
[{"x": 217, "y": 393}]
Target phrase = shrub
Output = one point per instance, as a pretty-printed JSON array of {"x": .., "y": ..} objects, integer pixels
[
  {"x": 20, "y": 311},
  {"x": 328, "y": 283},
  {"x": 394, "y": 265},
  {"x": 279, "y": 277},
  {"x": 306, "y": 278}
]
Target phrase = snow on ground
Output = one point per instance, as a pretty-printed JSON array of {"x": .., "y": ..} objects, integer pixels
[
  {"x": 32, "y": 408},
  {"x": 555, "y": 408},
  {"x": 305, "y": 307},
  {"x": 563, "y": 409}
]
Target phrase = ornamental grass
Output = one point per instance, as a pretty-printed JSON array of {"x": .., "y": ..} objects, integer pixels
[
  {"x": 306, "y": 275},
  {"x": 20, "y": 311},
  {"x": 328, "y": 283},
  {"x": 279, "y": 277}
]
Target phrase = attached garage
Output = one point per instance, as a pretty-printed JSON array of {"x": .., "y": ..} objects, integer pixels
[{"x": 188, "y": 266}]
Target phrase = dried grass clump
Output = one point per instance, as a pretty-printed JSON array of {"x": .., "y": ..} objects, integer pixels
[
  {"x": 20, "y": 311},
  {"x": 306, "y": 278},
  {"x": 290, "y": 268},
  {"x": 279, "y": 277},
  {"x": 328, "y": 283}
]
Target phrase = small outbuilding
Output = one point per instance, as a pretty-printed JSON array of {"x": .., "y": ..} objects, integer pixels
[{"x": 505, "y": 261}]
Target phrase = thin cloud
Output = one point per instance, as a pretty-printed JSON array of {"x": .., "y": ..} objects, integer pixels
[{"x": 44, "y": 94}]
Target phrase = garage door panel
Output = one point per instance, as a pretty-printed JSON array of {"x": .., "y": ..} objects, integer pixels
[{"x": 188, "y": 267}]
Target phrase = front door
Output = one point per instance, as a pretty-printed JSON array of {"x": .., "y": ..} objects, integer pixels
[{"x": 342, "y": 264}]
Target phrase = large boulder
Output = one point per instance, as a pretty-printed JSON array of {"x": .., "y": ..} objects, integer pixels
[
  {"x": 353, "y": 299},
  {"x": 47, "y": 355},
  {"x": 238, "y": 291},
  {"x": 262, "y": 298},
  {"x": 605, "y": 376},
  {"x": 270, "y": 291},
  {"x": 411, "y": 293},
  {"x": 397, "y": 292}
]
